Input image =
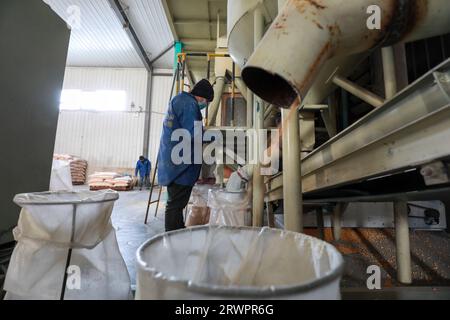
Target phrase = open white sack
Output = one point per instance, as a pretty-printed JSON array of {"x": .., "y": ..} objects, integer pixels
[
  {"x": 229, "y": 208},
  {"x": 46, "y": 232},
  {"x": 61, "y": 176},
  {"x": 237, "y": 263}
]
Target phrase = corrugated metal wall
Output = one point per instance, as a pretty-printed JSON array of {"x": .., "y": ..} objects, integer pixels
[
  {"x": 112, "y": 140},
  {"x": 160, "y": 99},
  {"x": 132, "y": 80},
  {"x": 107, "y": 140}
]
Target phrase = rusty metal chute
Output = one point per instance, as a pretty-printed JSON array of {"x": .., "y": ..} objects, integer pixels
[{"x": 306, "y": 34}]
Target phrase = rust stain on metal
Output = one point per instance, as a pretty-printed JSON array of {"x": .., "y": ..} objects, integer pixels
[
  {"x": 400, "y": 18},
  {"x": 334, "y": 30},
  {"x": 417, "y": 11},
  {"x": 321, "y": 57},
  {"x": 316, "y": 4},
  {"x": 318, "y": 24},
  {"x": 303, "y": 5}
]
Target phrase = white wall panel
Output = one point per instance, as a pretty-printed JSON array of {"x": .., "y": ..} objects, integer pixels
[
  {"x": 112, "y": 140},
  {"x": 107, "y": 140},
  {"x": 161, "y": 93},
  {"x": 161, "y": 88},
  {"x": 131, "y": 80}
]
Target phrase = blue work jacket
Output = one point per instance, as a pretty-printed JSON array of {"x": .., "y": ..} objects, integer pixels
[
  {"x": 144, "y": 168},
  {"x": 183, "y": 112}
]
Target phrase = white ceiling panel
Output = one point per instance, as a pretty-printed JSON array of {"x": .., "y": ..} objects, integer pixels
[
  {"x": 152, "y": 27},
  {"x": 98, "y": 38}
]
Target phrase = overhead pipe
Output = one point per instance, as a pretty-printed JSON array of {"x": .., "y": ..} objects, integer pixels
[{"x": 307, "y": 33}]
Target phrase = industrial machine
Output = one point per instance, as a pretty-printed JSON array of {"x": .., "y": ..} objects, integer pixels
[{"x": 382, "y": 144}]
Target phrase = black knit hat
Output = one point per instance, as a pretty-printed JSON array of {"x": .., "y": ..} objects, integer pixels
[{"x": 203, "y": 89}]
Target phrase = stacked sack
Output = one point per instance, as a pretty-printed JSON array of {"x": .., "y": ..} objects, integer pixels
[
  {"x": 110, "y": 180},
  {"x": 78, "y": 168}
]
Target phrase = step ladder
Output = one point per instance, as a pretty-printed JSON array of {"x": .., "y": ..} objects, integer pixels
[
  {"x": 150, "y": 201},
  {"x": 175, "y": 86}
]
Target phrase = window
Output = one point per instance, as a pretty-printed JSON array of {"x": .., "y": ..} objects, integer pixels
[{"x": 100, "y": 100}]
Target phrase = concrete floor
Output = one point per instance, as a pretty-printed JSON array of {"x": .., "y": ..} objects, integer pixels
[
  {"x": 128, "y": 220},
  {"x": 360, "y": 248}
]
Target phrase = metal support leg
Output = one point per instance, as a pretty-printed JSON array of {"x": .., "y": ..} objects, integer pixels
[
  {"x": 270, "y": 215},
  {"x": 258, "y": 179},
  {"x": 259, "y": 188},
  {"x": 69, "y": 253},
  {"x": 400, "y": 208},
  {"x": 337, "y": 221},
  {"x": 402, "y": 242},
  {"x": 320, "y": 224},
  {"x": 292, "y": 184},
  {"x": 390, "y": 80}
]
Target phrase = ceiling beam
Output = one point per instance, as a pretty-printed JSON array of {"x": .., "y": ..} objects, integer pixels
[
  {"x": 123, "y": 18},
  {"x": 170, "y": 19},
  {"x": 197, "y": 21},
  {"x": 162, "y": 53},
  {"x": 191, "y": 44}
]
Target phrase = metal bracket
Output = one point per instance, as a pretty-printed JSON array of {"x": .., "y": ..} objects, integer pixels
[
  {"x": 443, "y": 81},
  {"x": 435, "y": 173}
]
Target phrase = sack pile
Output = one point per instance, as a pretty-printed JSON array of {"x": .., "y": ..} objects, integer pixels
[
  {"x": 78, "y": 168},
  {"x": 110, "y": 180}
]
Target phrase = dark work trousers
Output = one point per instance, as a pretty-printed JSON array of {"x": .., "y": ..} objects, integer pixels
[{"x": 178, "y": 200}]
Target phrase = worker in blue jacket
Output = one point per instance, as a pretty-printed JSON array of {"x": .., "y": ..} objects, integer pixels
[
  {"x": 143, "y": 167},
  {"x": 184, "y": 112}
]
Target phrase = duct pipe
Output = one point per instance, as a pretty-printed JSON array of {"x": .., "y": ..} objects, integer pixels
[
  {"x": 215, "y": 104},
  {"x": 308, "y": 33},
  {"x": 241, "y": 86},
  {"x": 258, "y": 179},
  {"x": 292, "y": 183}
]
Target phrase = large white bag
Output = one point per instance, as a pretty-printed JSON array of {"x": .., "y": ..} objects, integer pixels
[
  {"x": 229, "y": 208},
  {"x": 61, "y": 176},
  {"x": 67, "y": 231},
  {"x": 237, "y": 263}
]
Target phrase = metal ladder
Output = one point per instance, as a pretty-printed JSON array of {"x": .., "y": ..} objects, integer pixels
[
  {"x": 150, "y": 201},
  {"x": 176, "y": 80}
]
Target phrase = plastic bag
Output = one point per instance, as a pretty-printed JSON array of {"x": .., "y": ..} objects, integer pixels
[
  {"x": 59, "y": 228},
  {"x": 199, "y": 213},
  {"x": 238, "y": 263},
  {"x": 229, "y": 209}
]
